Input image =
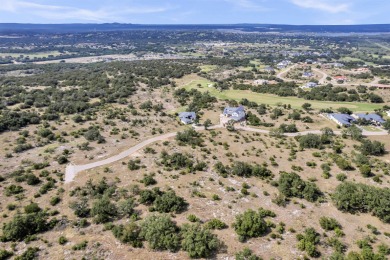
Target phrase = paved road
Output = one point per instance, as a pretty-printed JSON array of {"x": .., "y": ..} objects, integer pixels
[
  {"x": 280, "y": 74},
  {"x": 72, "y": 170}
]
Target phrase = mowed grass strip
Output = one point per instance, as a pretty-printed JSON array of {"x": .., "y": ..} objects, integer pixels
[{"x": 274, "y": 100}]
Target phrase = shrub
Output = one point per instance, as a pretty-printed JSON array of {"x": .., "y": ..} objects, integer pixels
[
  {"x": 32, "y": 208},
  {"x": 126, "y": 207},
  {"x": 4, "y": 254},
  {"x": 55, "y": 200},
  {"x": 160, "y": 232},
  {"x": 148, "y": 180},
  {"x": 192, "y": 218},
  {"x": 13, "y": 189},
  {"x": 80, "y": 246},
  {"x": 291, "y": 185},
  {"x": 310, "y": 141},
  {"x": 308, "y": 241},
  {"x": 246, "y": 254},
  {"x": 189, "y": 136},
  {"x": 329, "y": 223},
  {"x": 29, "y": 254},
  {"x": 128, "y": 234},
  {"x": 31, "y": 179},
  {"x": 103, "y": 210},
  {"x": 216, "y": 224},
  {"x": 369, "y": 147},
  {"x": 62, "y": 240},
  {"x": 169, "y": 202},
  {"x": 250, "y": 224},
  {"x": 357, "y": 197},
  {"x": 198, "y": 241},
  {"x": 22, "y": 226}
]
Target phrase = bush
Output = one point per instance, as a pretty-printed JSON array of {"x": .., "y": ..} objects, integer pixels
[
  {"x": 329, "y": 223},
  {"x": 22, "y": 226},
  {"x": 62, "y": 240},
  {"x": 160, "y": 232},
  {"x": 216, "y": 224},
  {"x": 31, "y": 179},
  {"x": 308, "y": 241},
  {"x": 189, "y": 136},
  {"x": 357, "y": 197},
  {"x": 128, "y": 234},
  {"x": 198, "y": 241},
  {"x": 4, "y": 254},
  {"x": 148, "y": 180},
  {"x": 250, "y": 224},
  {"x": 192, "y": 218},
  {"x": 169, "y": 202},
  {"x": 13, "y": 189},
  {"x": 291, "y": 185},
  {"x": 372, "y": 148},
  {"x": 55, "y": 200},
  {"x": 29, "y": 254},
  {"x": 80, "y": 246},
  {"x": 103, "y": 210},
  {"x": 246, "y": 254},
  {"x": 32, "y": 208},
  {"x": 126, "y": 207},
  {"x": 310, "y": 141}
]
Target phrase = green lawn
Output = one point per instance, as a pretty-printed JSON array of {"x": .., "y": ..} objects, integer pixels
[
  {"x": 31, "y": 55},
  {"x": 207, "y": 68},
  {"x": 274, "y": 100}
]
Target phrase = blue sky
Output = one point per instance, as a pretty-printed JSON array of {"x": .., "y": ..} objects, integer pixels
[{"x": 196, "y": 11}]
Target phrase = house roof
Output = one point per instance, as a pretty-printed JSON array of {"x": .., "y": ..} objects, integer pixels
[
  {"x": 311, "y": 84},
  {"x": 343, "y": 119},
  {"x": 187, "y": 117},
  {"x": 240, "y": 111},
  {"x": 307, "y": 74},
  {"x": 371, "y": 117}
]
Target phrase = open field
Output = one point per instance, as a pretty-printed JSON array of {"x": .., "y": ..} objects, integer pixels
[
  {"x": 31, "y": 55},
  {"x": 273, "y": 100},
  {"x": 208, "y": 68}
]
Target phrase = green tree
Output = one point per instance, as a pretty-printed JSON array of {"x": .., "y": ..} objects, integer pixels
[
  {"x": 103, "y": 210},
  {"x": 207, "y": 124},
  {"x": 250, "y": 224},
  {"x": 169, "y": 202},
  {"x": 198, "y": 241},
  {"x": 129, "y": 234},
  {"x": 160, "y": 232},
  {"x": 246, "y": 254}
]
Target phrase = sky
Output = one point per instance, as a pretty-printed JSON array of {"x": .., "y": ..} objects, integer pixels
[{"x": 308, "y": 12}]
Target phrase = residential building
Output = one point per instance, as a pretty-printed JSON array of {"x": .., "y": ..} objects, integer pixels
[
  {"x": 374, "y": 119},
  {"x": 310, "y": 85},
  {"x": 187, "y": 117},
  {"x": 235, "y": 113},
  {"x": 269, "y": 69},
  {"x": 342, "y": 119},
  {"x": 307, "y": 74}
]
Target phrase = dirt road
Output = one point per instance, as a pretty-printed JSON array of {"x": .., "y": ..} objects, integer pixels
[{"x": 72, "y": 170}]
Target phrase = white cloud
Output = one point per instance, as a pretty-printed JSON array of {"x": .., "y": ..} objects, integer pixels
[
  {"x": 323, "y": 5},
  {"x": 57, "y": 12}
]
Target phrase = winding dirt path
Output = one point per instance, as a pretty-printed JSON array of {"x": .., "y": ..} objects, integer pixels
[{"x": 72, "y": 170}]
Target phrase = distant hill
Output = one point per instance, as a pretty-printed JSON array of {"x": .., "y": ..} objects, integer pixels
[{"x": 69, "y": 28}]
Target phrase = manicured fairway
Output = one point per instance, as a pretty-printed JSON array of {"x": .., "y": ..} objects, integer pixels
[{"x": 269, "y": 99}]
